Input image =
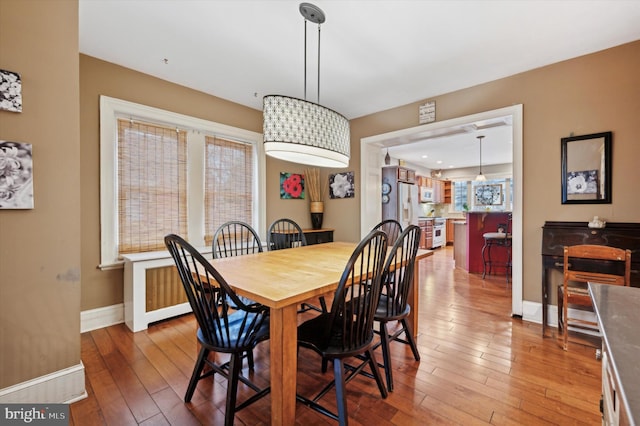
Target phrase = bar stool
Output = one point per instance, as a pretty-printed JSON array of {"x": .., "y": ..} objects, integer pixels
[{"x": 501, "y": 238}]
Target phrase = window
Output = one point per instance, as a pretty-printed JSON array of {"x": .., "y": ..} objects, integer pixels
[
  {"x": 152, "y": 185},
  {"x": 163, "y": 172},
  {"x": 460, "y": 196},
  {"x": 464, "y": 194},
  {"x": 228, "y": 174}
]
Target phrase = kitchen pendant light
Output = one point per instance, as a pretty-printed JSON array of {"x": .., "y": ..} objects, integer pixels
[
  {"x": 480, "y": 177},
  {"x": 304, "y": 132}
]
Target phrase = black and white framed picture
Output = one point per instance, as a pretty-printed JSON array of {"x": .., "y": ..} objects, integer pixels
[
  {"x": 586, "y": 169},
  {"x": 16, "y": 175},
  {"x": 341, "y": 185},
  {"x": 10, "y": 91}
]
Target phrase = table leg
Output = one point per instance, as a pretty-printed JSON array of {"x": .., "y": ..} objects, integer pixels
[
  {"x": 284, "y": 365},
  {"x": 414, "y": 297}
]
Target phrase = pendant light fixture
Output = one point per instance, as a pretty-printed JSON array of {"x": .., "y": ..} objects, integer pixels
[
  {"x": 304, "y": 132},
  {"x": 480, "y": 177}
]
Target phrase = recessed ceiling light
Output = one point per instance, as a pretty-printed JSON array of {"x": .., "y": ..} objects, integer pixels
[
  {"x": 425, "y": 156},
  {"x": 439, "y": 161}
]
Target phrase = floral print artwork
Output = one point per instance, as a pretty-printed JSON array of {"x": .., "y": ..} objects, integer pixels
[
  {"x": 291, "y": 186},
  {"x": 341, "y": 185},
  {"x": 583, "y": 182},
  {"x": 16, "y": 175},
  {"x": 10, "y": 91}
]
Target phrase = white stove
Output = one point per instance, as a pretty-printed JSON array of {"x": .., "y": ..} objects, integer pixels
[{"x": 439, "y": 232}]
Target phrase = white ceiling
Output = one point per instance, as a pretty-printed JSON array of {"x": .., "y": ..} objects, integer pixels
[{"x": 375, "y": 55}]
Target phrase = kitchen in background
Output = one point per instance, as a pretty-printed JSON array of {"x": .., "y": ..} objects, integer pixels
[{"x": 412, "y": 200}]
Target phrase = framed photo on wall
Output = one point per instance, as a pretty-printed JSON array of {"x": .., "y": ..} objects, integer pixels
[{"x": 586, "y": 169}]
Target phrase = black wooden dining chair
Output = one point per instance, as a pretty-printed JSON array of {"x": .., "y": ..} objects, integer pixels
[
  {"x": 235, "y": 238},
  {"x": 285, "y": 233},
  {"x": 394, "y": 298},
  {"x": 391, "y": 227},
  {"x": 347, "y": 329},
  {"x": 225, "y": 324}
]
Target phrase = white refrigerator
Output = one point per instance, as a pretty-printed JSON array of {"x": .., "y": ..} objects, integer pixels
[{"x": 409, "y": 208}]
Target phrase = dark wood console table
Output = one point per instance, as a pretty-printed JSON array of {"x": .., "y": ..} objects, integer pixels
[
  {"x": 318, "y": 236},
  {"x": 556, "y": 235}
]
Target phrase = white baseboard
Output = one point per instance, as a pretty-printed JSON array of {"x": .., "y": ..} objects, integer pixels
[
  {"x": 101, "y": 317},
  {"x": 63, "y": 386},
  {"x": 532, "y": 311}
]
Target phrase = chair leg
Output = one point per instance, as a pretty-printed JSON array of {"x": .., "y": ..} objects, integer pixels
[
  {"x": 376, "y": 373},
  {"x": 560, "y": 311},
  {"x": 341, "y": 398},
  {"x": 386, "y": 356},
  {"x": 412, "y": 341},
  {"x": 565, "y": 323},
  {"x": 195, "y": 376},
  {"x": 250, "y": 359},
  {"x": 484, "y": 261},
  {"x": 232, "y": 388}
]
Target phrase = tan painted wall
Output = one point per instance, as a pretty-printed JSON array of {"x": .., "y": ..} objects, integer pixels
[
  {"x": 40, "y": 248},
  {"x": 590, "y": 94}
]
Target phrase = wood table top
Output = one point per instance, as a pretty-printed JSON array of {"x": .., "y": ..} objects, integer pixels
[{"x": 283, "y": 277}]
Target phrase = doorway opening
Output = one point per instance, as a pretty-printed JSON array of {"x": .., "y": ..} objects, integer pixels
[{"x": 372, "y": 158}]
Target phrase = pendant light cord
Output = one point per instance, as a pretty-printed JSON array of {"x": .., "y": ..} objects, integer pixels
[
  {"x": 305, "y": 62},
  {"x": 305, "y": 59},
  {"x": 318, "y": 63}
]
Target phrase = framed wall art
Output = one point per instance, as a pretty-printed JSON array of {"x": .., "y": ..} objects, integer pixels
[
  {"x": 341, "y": 185},
  {"x": 586, "y": 169},
  {"x": 291, "y": 186},
  {"x": 16, "y": 175},
  {"x": 10, "y": 91},
  {"x": 488, "y": 195}
]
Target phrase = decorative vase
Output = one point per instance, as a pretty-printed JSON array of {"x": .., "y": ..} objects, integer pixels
[{"x": 317, "y": 210}]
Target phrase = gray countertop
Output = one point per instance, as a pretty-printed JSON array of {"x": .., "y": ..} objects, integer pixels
[{"x": 617, "y": 310}]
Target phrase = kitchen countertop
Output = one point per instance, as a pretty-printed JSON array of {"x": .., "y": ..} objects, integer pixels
[{"x": 617, "y": 310}]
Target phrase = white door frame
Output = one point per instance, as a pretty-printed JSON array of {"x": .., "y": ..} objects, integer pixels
[{"x": 370, "y": 182}]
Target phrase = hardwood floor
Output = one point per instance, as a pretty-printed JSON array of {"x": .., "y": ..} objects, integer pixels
[{"x": 478, "y": 366}]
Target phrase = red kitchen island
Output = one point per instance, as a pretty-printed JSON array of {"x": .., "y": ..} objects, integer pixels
[{"x": 477, "y": 224}]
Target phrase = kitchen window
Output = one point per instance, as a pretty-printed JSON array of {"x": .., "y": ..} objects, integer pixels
[
  {"x": 163, "y": 172},
  {"x": 463, "y": 194}
]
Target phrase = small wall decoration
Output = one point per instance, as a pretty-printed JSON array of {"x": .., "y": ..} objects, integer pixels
[
  {"x": 16, "y": 175},
  {"x": 341, "y": 185},
  {"x": 488, "y": 195},
  {"x": 586, "y": 169},
  {"x": 583, "y": 182},
  {"x": 10, "y": 91},
  {"x": 291, "y": 186}
]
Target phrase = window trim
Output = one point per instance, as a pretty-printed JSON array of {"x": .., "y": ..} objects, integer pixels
[{"x": 110, "y": 110}]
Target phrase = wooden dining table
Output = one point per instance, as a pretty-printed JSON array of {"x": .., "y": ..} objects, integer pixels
[{"x": 281, "y": 280}]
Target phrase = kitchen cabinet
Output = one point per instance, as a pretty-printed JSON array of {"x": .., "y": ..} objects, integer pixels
[
  {"x": 450, "y": 226},
  {"x": 447, "y": 192},
  {"x": 405, "y": 175},
  {"x": 441, "y": 188},
  {"x": 426, "y": 236}
]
